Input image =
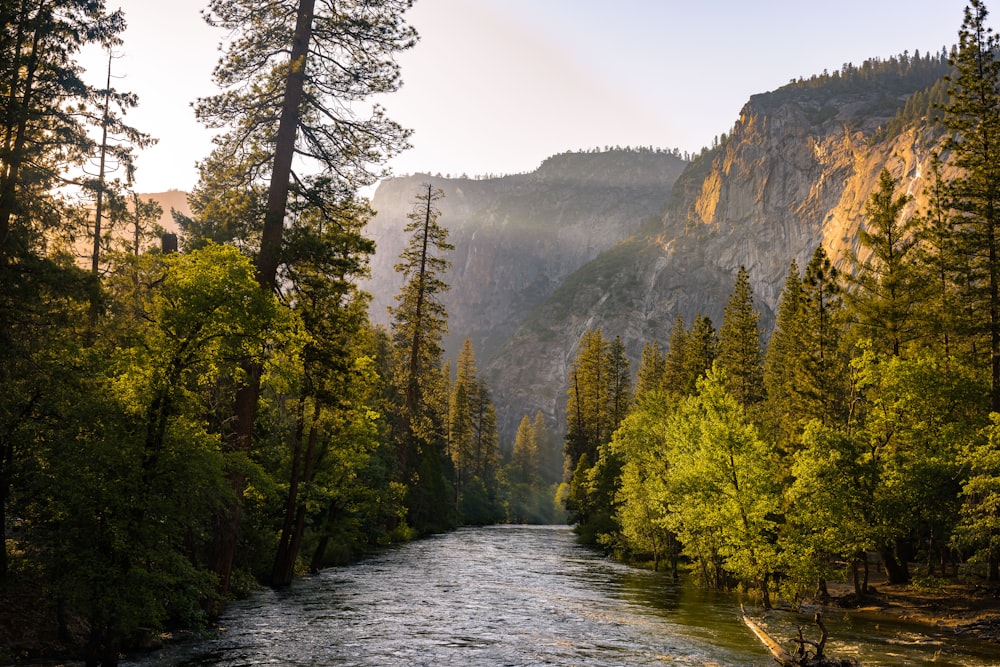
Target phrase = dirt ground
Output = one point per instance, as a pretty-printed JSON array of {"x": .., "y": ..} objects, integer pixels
[{"x": 945, "y": 603}]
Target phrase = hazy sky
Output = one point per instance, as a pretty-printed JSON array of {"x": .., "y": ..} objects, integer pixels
[{"x": 496, "y": 86}]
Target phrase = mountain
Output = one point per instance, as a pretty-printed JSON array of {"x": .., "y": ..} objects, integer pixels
[
  {"x": 795, "y": 171},
  {"x": 518, "y": 237},
  {"x": 625, "y": 241}
]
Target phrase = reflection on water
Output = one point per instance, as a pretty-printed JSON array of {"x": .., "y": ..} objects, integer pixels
[{"x": 519, "y": 595}]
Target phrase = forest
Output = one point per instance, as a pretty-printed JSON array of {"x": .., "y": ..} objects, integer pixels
[{"x": 183, "y": 419}]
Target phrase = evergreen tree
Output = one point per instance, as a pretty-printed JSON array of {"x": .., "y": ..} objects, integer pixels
[
  {"x": 620, "y": 379},
  {"x": 462, "y": 438},
  {"x": 524, "y": 458},
  {"x": 419, "y": 323},
  {"x": 674, "y": 364},
  {"x": 320, "y": 285},
  {"x": 587, "y": 416},
  {"x": 885, "y": 290},
  {"x": 739, "y": 352},
  {"x": 290, "y": 75},
  {"x": 44, "y": 110},
  {"x": 972, "y": 118},
  {"x": 700, "y": 352},
  {"x": 778, "y": 362},
  {"x": 938, "y": 265},
  {"x": 819, "y": 364},
  {"x": 651, "y": 370}
]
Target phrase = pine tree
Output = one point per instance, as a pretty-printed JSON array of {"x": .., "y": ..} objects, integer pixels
[
  {"x": 819, "y": 364},
  {"x": 419, "y": 323},
  {"x": 620, "y": 384},
  {"x": 739, "y": 350},
  {"x": 43, "y": 109},
  {"x": 700, "y": 351},
  {"x": 651, "y": 369},
  {"x": 525, "y": 455},
  {"x": 885, "y": 286},
  {"x": 972, "y": 118},
  {"x": 588, "y": 419},
  {"x": 778, "y": 362},
  {"x": 674, "y": 364},
  {"x": 461, "y": 430},
  {"x": 290, "y": 76}
]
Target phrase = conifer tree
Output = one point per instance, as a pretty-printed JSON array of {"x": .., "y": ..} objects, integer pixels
[
  {"x": 674, "y": 365},
  {"x": 620, "y": 384},
  {"x": 778, "y": 361},
  {"x": 819, "y": 364},
  {"x": 587, "y": 416},
  {"x": 885, "y": 290},
  {"x": 525, "y": 455},
  {"x": 419, "y": 323},
  {"x": 972, "y": 118},
  {"x": 651, "y": 370},
  {"x": 739, "y": 351},
  {"x": 291, "y": 138},
  {"x": 43, "y": 127},
  {"x": 938, "y": 266},
  {"x": 700, "y": 351},
  {"x": 461, "y": 431}
]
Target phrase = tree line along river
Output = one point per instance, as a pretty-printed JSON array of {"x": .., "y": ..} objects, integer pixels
[{"x": 523, "y": 595}]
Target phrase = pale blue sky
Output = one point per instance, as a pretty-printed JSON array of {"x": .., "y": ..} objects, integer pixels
[{"x": 496, "y": 86}]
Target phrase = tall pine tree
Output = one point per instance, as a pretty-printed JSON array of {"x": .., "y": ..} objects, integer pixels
[
  {"x": 972, "y": 118},
  {"x": 419, "y": 323},
  {"x": 739, "y": 350}
]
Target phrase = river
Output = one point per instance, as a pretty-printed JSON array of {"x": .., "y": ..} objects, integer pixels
[{"x": 522, "y": 595}]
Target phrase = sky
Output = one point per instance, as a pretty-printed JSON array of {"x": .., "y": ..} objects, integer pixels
[{"x": 496, "y": 86}]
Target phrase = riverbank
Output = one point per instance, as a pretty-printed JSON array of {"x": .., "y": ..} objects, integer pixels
[{"x": 971, "y": 609}]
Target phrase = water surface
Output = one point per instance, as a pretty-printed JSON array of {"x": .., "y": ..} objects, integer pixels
[{"x": 522, "y": 595}]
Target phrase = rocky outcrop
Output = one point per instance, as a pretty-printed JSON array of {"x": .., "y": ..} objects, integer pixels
[{"x": 795, "y": 171}]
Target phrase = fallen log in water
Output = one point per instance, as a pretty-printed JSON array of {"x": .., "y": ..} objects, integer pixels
[
  {"x": 803, "y": 659},
  {"x": 784, "y": 658}
]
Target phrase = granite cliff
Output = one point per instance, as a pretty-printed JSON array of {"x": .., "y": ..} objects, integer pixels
[{"x": 795, "y": 171}]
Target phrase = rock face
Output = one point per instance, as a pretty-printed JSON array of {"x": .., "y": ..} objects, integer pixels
[
  {"x": 542, "y": 258},
  {"x": 518, "y": 237},
  {"x": 786, "y": 179}
]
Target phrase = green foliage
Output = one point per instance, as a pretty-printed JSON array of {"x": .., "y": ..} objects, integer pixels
[
  {"x": 473, "y": 441},
  {"x": 44, "y": 107},
  {"x": 979, "y": 526},
  {"x": 886, "y": 287},
  {"x": 972, "y": 197},
  {"x": 642, "y": 501},
  {"x": 739, "y": 352},
  {"x": 724, "y": 495},
  {"x": 419, "y": 321},
  {"x": 882, "y": 83}
]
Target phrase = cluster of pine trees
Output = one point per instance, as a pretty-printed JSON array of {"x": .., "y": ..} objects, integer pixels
[{"x": 869, "y": 424}]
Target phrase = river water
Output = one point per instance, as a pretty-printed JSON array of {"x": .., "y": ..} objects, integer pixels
[{"x": 522, "y": 595}]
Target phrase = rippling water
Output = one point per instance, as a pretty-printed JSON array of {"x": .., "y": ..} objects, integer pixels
[{"x": 518, "y": 595}]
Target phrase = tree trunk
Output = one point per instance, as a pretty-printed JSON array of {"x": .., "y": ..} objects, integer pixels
[
  {"x": 320, "y": 552},
  {"x": 896, "y": 571},
  {"x": 284, "y": 561},
  {"x": 822, "y": 592},
  {"x": 267, "y": 271}
]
